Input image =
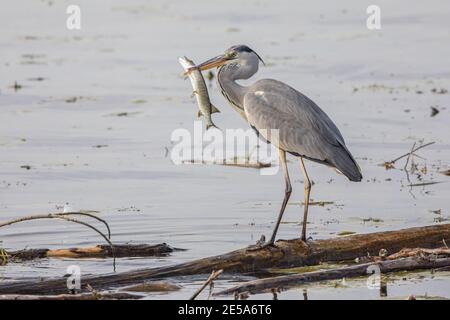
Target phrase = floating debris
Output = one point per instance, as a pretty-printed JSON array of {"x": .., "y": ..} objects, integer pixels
[
  {"x": 345, "y": 233},
  {"x": 127, "y": 209},
  {"x": 232, "y": 163},
  {"x": 390, "y": 164},
  {"x": 232, "y": 29},
  {"x": 16, "y": 86},
  {"x": 422, "y": 184},
  {"x": 33, "y": 56},
  {"x": 439, "y": 91},
  {"x": 258, "y": 165},
  {"x": 376, "y": 220},
  {"x": 26, "y": 166},
  {"x": 36, "y": 79},
  {"x": 434, "y": 111},
  {"x": 71, "y": 100},
  {"x": 314, "y": 203},
  {"x": 139, "y": 101},
  {"x": 440, "y": 218},
  {"x": 123, "y": 114}
]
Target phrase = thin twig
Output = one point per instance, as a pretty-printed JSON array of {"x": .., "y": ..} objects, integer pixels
[
  {"x": 81, "y": 213},
  {"x": 414, "y": 150},
  {"x": 421, "y": 184},
  {"x": 407, "y": 161},
  {"x": 87, "y": 214},
  {"x": 213, "y": 276},
  {"x": 61, "y": 216}
]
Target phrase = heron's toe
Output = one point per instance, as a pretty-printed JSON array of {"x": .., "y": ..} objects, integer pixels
[{"x": 258, "y": 246}]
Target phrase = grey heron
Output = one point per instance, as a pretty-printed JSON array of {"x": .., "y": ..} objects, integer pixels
[{"x": 304, "y": 130}]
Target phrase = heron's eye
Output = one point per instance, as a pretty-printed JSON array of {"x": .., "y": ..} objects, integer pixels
[{"x": 231, "y": 55}]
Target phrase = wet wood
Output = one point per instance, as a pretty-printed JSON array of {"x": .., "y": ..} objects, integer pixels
[
  {"x": 243, "y": 164},
  {"x": 208, "y": 281},
  {"x": 420, "y": 252},
  {"x": 286, "y": 253},
  {"x": 153, "y": 286},
  {"x": 360, "y": 270},
  {"x": 99, "y": 251},
  {"x": 258, "y": 165},
  {"x": 82, "y": 296}
]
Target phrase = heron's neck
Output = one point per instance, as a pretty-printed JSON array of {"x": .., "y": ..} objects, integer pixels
[{"x": 231, "y": 90}]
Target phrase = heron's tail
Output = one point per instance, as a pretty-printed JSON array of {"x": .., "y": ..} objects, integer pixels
[{"x": 346, "y": 164}]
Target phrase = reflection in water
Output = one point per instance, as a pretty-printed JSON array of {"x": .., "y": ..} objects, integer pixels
[
  {"x": 383, "y": 288},
  {"x": 305, "y": 294},
  {"x": 275, "y": 294}
]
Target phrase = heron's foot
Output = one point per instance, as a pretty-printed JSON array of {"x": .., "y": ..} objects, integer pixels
[
  {"x": 261, "y": 244},
  {"x": 256, "y": 247}
]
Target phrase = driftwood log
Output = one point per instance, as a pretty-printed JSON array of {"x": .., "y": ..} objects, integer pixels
[
  {"x": 81, "y": 296},
  {"x": 359, "y": 270},
  {"x": 99, "y": 251},
  {"x": 289, "y": 253}
]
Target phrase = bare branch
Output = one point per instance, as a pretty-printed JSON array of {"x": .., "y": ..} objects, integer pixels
[
  {"x": 389, "y": 164},
  {"x": 213, "y": 276},
  {"x": 62, "y": 217}
]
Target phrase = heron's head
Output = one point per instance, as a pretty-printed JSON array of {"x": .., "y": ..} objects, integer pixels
[{"x": 239, "y": 57}]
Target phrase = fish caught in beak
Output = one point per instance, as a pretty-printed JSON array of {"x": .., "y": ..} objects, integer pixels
[{"x": 211, "y": 63}]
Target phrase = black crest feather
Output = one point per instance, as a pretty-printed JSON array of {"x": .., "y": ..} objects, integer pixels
[{"x": 244, "y": 48}]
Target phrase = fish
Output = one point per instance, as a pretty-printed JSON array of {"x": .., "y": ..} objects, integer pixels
[{"x": 206, "y": 108}]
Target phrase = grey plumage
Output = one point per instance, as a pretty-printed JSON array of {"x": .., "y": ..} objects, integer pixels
[{"x": 305, "y": 130}]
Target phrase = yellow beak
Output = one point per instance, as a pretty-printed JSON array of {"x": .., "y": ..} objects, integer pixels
[{"x": 211, "y": 63}]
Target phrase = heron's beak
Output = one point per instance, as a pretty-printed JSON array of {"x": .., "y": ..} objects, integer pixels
[{"x": 211, "y": 63}]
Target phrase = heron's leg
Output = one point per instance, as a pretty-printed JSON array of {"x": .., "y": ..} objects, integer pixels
[
  {"x": 307, "y": 185},
  {"x": 287, "y": 193}
]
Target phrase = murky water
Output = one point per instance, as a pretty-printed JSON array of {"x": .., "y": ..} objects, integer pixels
[{"x": 116, "y": 83}]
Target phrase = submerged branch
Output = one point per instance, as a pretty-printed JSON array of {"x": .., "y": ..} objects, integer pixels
[
  {"x": 211, "y": 278},
  {"x": 359, "y": 270}
]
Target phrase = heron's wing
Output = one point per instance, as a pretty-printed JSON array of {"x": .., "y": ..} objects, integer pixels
[{"x": 303, "y": 128}]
